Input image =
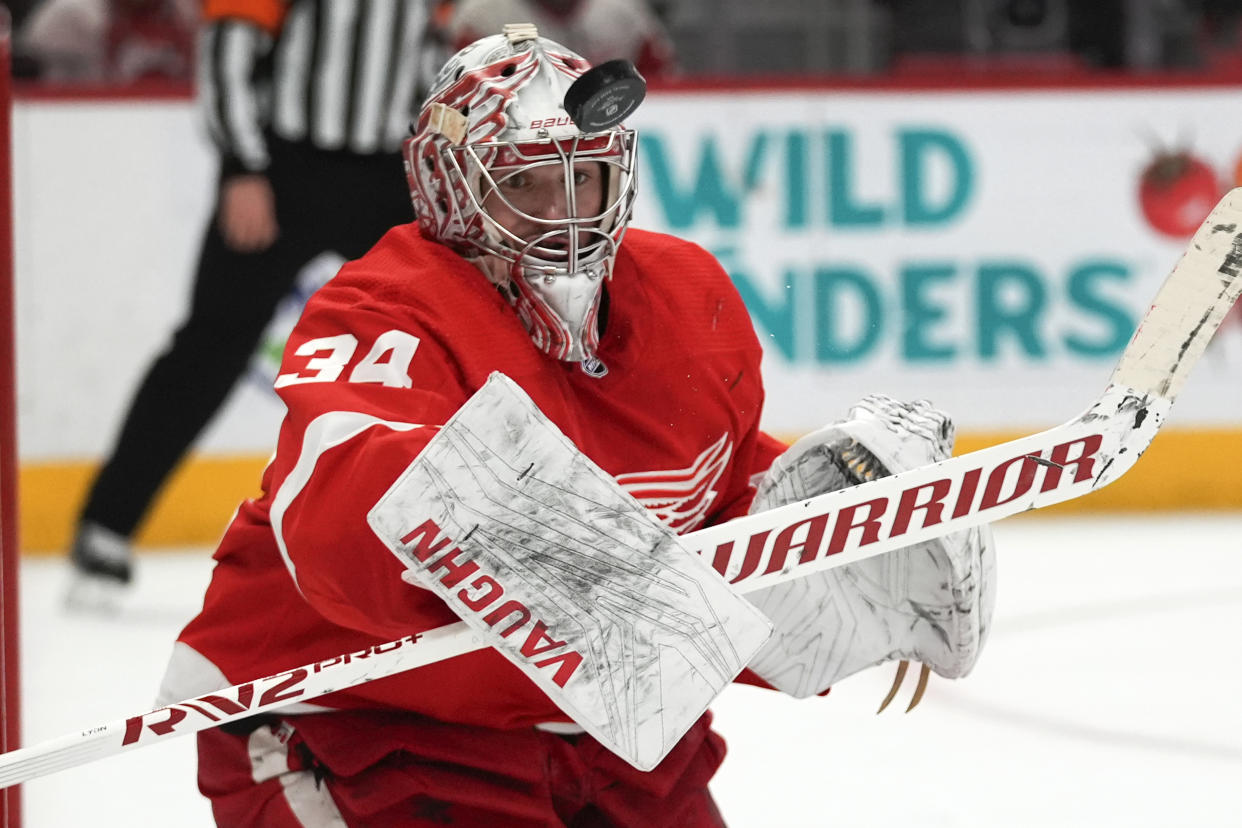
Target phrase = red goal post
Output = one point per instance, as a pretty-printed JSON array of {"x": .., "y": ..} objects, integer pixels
[{"x": 10, "y": 710}]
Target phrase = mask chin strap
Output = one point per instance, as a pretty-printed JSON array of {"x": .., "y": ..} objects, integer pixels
[
  {"x": 574, "y": 299},
  {"x": 572, "y": 293},
  {"x": 560, "y": 311}
]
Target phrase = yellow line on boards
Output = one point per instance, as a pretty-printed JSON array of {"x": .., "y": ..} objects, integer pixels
[
  {"x": 193, "y": 509},
  {"x": 1182, "y": 470}
]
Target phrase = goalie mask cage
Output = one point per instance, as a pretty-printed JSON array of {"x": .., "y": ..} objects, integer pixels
[{"x": 10, "y": 712}]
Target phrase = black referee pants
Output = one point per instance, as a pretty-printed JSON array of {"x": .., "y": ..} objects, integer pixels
[{"x": 324, "y": 201}]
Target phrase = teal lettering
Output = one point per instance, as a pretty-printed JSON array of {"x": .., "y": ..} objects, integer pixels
[
  {"x": 1011, "y": 301},
  {"x": 1083, "y": 289},
  {"x": 839, "y": 338},
  {"x": 919, "y": 148},
  {"x": 775, "y": 316},
  {"x": 709, "y": 192},
  {"x": 920, "y": 312},
  {"x": 844, "y": 209},
  {"x": 795, "y": 180}
]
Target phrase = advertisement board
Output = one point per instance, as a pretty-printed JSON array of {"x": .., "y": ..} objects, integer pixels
[{"x": 989, "y": 250}]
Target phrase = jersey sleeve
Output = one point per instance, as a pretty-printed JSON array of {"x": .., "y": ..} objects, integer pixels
[
  {"x": 728, "y": 329},
  {"x": 756, "y": 452},
  {"x": 366, "y": 385},
  {"x": 236, "y": 38}
]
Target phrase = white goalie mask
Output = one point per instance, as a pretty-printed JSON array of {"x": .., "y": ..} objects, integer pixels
[{"x": 501, "y": 172}]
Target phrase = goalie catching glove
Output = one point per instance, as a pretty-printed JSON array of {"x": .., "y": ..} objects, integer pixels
[
  {"x": 930, "y": 602},
  {"x": 557, "y": 567}
]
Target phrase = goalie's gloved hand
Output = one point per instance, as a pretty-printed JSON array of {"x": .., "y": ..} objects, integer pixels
[
  {"x": 929, "y": 602},
  {"x": 881, "y": 436}
]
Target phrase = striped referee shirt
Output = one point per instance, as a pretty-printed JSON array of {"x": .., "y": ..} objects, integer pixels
[{"x": 341, "y": 75}]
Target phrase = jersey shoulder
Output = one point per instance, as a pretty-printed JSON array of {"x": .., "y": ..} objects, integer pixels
[
  {"x": 425, "y": 289},
  {"x": 408, "y": 275},
  {"x": 674, "y": 264},
  {"x": 688, "y": 285}
]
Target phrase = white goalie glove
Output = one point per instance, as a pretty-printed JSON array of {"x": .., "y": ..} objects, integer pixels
[
  {"x": 551, "y": 562},
  {"x": 930, "y": 602}
]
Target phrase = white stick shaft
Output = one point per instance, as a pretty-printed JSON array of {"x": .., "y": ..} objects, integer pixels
[
  {"x": 816, "y": 534},
  {"x": 841, "y": 527},
  {"x": 1189, "y": 306},
  {"x": 238, "y": 702}
]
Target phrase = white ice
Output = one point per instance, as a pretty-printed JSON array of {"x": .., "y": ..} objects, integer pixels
[{"x": 1110, "y": 693}]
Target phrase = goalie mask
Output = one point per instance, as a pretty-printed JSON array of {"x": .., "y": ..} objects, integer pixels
[{"x": 519, "y": 164}]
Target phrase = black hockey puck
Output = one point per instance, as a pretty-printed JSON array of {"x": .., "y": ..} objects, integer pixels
[{"x": 605, "y": 95}]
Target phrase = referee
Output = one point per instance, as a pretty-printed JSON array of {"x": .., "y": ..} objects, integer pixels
[{"x": 307, "y": 102}]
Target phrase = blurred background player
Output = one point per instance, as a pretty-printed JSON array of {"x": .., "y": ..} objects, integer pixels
[
  {"x": 307, "y": 103},
  {"x": 639, "y": 348},
  {"x": 599, "y": 30},
  {"x": 110, "y": 41}
]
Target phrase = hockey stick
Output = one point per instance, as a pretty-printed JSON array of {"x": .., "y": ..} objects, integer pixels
[{"x": 819, "y": 533}]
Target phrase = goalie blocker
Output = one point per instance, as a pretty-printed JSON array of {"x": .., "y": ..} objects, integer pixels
[{"x": 551, "y": 562}]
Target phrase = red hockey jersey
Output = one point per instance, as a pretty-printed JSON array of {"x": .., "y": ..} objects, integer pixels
[{"x": 386, "y": 352}]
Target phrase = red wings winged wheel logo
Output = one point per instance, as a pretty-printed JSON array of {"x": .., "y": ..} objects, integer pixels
[{"x": 681, "y": 498}]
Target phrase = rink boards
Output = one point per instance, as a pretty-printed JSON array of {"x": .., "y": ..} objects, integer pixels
[{"x": 989, "y": 250}]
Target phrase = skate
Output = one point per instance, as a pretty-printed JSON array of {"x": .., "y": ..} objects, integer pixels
[{"x": 102, "y": 569}]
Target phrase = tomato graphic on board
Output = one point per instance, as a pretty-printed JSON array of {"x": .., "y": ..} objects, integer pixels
[{"x": 1176, "y": 192}]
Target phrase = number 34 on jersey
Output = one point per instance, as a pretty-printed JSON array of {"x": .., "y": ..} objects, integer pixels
[{"x": 387, "y": 363}]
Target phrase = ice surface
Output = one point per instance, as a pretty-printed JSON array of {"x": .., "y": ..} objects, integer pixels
[{"x": 1110, "y": 693}]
